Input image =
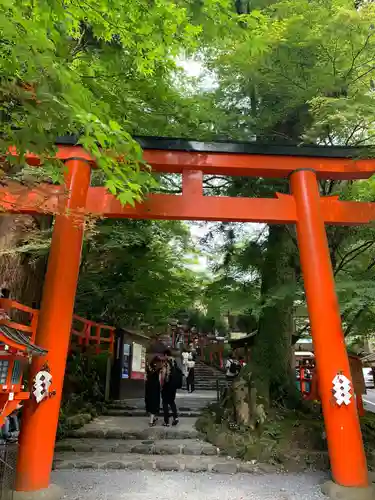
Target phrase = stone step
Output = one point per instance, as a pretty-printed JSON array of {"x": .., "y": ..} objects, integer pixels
[
  {"x": 199, "y": 405},
  {"x": 207, "y": 373},
  {"x": 211, "y": 383},
  {"x": 185, "y": 403},
  {"x": 110, "y": 461},
  {"x": 107, "y": 427},
  {"x": 209, "y": 380},
  {"x": 142, "y": 413},
  {"x": 207, "y": 387},
  {"x": 147, "y": 447}
]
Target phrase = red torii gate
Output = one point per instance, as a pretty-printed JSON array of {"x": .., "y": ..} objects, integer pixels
[{"x": 304, "y": 207}]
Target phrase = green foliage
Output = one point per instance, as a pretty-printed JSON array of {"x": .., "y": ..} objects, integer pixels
[
  {"x": 98, "y": 71},
  {"x": 305, "y": 74},
  {"x": 85, "y": 381},
  {"x": 83, "y": 392},
  {"x": 136, "y": 272}
]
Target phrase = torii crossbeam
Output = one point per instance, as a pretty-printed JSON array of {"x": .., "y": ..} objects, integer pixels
[{"x": 304, "y": 166}]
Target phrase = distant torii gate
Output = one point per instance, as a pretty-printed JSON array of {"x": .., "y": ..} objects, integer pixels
[{"x": 304, "y": 166}]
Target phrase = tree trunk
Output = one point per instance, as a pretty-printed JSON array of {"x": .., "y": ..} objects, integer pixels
[
  {"x": 272, "y": 352},
  {"x": 22, "y": 273}
]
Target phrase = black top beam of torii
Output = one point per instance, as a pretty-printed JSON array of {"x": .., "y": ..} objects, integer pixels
[{"x": 237, "y": 147}]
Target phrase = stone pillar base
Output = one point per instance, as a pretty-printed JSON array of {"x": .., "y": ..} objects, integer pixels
[
  {"x": 337, "y": 492},
  {"x": 53, "y": 492}
]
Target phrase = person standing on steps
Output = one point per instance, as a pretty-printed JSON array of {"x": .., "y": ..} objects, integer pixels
[
  {"x": 171, "y": 380},
  {"x": 185, "y": 359},
  {"x": 193, "y": 351},
  {"x": 232, "y": 367},
  {"x": 190, "y": 374},
  {"x": 152, "y": 389}
]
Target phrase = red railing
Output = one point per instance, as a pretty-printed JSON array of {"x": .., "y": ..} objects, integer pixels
[
  {"x": 84, "y": 333},
  {"x": 8, "y": 305},
  {"x": 213, "y": 357},
  {"x": 91, "y": 334}
]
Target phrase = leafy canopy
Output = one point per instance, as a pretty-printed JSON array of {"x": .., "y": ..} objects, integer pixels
[
  {"x": 136, "y": 272},
  {"x": 91, "y": 68}
]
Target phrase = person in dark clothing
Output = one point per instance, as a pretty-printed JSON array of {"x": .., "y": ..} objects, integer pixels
[
  {"x": 152, "y": 389},
  {"x": 232, "y": 367},
  {"x": 171, "y": 381},
  {"x": 190, "y": 379}
]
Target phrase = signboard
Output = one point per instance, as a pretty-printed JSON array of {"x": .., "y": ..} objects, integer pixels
[
  {"x": 126, "y": 362},
  {"x": 138, "y": 362}
]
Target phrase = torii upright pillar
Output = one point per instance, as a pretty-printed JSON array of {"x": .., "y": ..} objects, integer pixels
[
  {"x": 348, "y": 460},
  {"x": 39, "y": 422}
]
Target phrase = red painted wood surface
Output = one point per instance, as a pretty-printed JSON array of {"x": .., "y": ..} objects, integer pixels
[
  {"x": 341, "y": 422},
  {"x": 191, "y": 205},
  {"x": 90, "y": 334}
]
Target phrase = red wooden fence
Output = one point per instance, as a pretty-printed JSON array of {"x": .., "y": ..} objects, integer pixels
[{"x": 84, "y": 333}]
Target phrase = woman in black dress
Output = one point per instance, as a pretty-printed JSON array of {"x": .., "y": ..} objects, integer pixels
[{"x": 152, "y": 389}]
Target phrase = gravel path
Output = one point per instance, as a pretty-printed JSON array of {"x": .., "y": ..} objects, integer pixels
[{"x": 146, "y": 485}]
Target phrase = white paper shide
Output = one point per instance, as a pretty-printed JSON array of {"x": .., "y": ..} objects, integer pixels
[
  {"x": 42, "y": 383},
  {"x": 342, "y": 390}
]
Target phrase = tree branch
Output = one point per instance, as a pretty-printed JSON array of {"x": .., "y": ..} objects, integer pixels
[
  {"x": 359, "y": 52},
  {"x": 370, "y": 266},
  {"x": 352, "y": 254},
  {"x": 364, "y": 74},
  {"x": 355, "y": 129}
]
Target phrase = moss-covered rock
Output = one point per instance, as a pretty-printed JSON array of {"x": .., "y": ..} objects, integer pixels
[
  {"x": 290, "y": 439},
  {"x": 77, "y": 421}
]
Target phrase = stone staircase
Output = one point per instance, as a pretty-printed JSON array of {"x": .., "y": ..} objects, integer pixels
[
  {"x": 126, "y": 442},
  {"x": 207, "y": 377},
  {"x": 189, "y": 405},
  {"x": 122, "y": 443}
]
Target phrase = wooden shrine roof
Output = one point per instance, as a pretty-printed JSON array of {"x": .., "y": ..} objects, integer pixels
[
  {"x": 17, "y": 339},
  {"x": 237, "y": 147}
]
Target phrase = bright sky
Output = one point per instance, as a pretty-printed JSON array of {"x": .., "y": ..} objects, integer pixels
[{"x": 195, "y": 69}]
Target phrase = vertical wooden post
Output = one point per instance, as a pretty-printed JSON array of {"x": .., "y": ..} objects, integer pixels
[
  {"x": 39, "y": 422},
  {"x": 97, "y": 340},
  {"x": 360, "y": 407},
  {"x": 302, "y": 380},
  {"x": 348, "y": 461},
  {"x": 108, "y": 378}
]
